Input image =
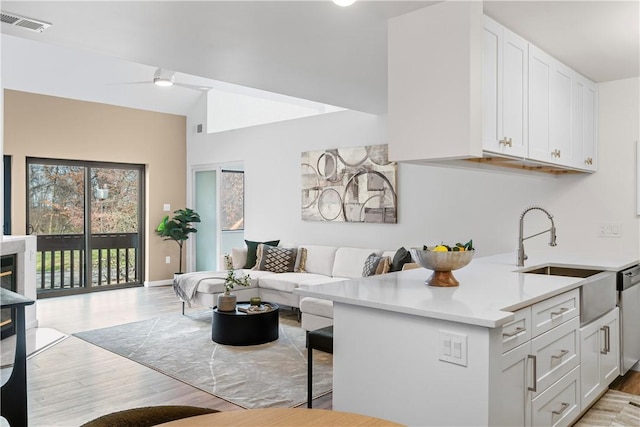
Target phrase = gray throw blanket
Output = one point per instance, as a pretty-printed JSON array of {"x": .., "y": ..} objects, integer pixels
[{"x": 185, "y": 285}]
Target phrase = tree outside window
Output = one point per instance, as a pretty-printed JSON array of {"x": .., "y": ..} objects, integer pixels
[{"x": 232, "y": 200}]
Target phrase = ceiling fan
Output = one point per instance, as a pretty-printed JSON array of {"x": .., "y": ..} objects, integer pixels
[{"x": 166, "y": 78}]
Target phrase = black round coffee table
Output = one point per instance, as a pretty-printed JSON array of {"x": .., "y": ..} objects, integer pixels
[{"x": 242, "y": 328}]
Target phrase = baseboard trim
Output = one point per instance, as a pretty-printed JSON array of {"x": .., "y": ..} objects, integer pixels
[{"x": 158, "y": 283}]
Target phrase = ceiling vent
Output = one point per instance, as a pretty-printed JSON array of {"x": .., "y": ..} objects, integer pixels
[{"x": 21, "y": 21}]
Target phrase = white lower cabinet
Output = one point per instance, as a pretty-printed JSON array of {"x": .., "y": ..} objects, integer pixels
[
  {"x": 517, "y": 385},
  {"x": 556, "y": 353},
  {"x": 540, "y": 378},
  {"x": 559, "y": 405},
  {"x": 599, "y": 356}
]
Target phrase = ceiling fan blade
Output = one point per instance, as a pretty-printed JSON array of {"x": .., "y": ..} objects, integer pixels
[
  {"x": 194, "y": 87},
  {"x": 131, "y": 83}
]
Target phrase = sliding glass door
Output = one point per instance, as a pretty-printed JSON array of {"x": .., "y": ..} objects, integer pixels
[{"x": 89, "y": 220}]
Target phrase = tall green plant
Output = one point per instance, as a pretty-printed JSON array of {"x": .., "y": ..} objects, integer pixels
[{"x": 178, "y": 228}]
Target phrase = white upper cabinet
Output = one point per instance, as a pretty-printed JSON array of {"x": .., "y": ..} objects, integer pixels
[
  {"x": 561, "y": 106},
  {"x": 504, "y": 91},
  {"x": 463, "y": 87},
  {"x": 562, "y": 114},
  {"x": 585, "y": 126},
  {"x": 540, "y": 83},
  {"x": 435, "y": 83}
]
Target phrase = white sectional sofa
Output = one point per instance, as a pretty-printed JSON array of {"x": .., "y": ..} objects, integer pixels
[{"x": 321, "y": 264}]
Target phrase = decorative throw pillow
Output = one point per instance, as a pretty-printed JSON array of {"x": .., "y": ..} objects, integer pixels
[
  {"x": 301, "y": 261},
  {"x": 259, "y": 252},
  {"x": 238, "y": 258},
  {"x": 401, "y": 257},
  {"x": 277, "y": 260},
  {"x": 252, "y": 247},
  {"x": 370, "y": 265},
  {"x": 383, "y": 266}
]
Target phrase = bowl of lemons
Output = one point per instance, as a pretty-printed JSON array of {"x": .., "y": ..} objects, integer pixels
[{"x": 443, "y": 259}]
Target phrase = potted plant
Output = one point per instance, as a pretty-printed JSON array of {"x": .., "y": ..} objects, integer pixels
[
  {"x": 227, "y": 301},
  {"x": 178, "y": 228}
]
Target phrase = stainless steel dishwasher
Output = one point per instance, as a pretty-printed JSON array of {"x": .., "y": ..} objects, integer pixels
[{"x": 629, "y": 303}]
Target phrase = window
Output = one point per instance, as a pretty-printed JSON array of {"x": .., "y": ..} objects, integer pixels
[{"x": 232, "y": 200}]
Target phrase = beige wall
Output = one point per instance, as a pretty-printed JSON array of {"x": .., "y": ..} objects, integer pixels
[{"x": 50, "y": 127}]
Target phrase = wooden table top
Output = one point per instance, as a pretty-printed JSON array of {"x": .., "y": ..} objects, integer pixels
[{"x": 281, "y": 417}]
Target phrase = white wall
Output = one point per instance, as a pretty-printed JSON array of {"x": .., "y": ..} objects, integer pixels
[
  {"x": 436, "y": 203},
  {"x": 610, "y": 194}
]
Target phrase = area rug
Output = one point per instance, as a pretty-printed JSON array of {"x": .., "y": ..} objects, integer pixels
[
  {"x": 615, "y": 408},
  {"x": 260, "y": 376}
]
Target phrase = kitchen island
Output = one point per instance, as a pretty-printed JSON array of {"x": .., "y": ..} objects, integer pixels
[{"x": 421, "y": 355}]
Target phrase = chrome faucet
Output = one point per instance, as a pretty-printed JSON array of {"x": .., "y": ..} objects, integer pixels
[{"x": 552, "y": 231}]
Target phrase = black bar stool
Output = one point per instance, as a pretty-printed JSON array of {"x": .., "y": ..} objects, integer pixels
[{"x": 320, "y": 339}]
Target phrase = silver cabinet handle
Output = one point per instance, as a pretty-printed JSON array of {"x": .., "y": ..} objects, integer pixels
[
  {"x": 607, "y": 340},
  {"x": 562, "y": 311},
  {"x": 517, "y": 331},
  {"x": 561, "y": 355},
  {"x": 506, "y": 142},
  {"x": 563, "y": 408},
  {"x": 533, "y": 388}
]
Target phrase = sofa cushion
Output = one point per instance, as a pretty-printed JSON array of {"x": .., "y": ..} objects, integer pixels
[
  {"x": 215, "y": 285},
  {"x": 320, "y": 280},
  {"x": 252, "y": 247},
  {"x": 317, "y": 306},
  {"x": 319, "y": 259},
  {"x": 276, "y": 259},
  {"x": 286, "y": 282},
  {"x": 350, "y": 261}
]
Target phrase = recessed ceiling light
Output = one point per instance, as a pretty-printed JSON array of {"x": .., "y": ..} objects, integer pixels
[{"x": 344, "y": 3}]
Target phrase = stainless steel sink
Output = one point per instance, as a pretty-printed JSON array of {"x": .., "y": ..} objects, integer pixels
[
  {"x": 597, "y": 292},
  {"x": 564, "y": 271}
]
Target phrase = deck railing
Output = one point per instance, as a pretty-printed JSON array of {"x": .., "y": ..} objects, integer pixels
[{"x": 61, "y": 260}]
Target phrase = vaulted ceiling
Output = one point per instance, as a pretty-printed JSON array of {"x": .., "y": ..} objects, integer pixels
[{"x": 315, "y": 49}]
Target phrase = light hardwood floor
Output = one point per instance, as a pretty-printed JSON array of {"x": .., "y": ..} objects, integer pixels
[{"x": 74, "y": 381}]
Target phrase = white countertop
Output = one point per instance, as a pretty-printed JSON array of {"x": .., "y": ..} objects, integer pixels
[{"x": 491, "y": 288}]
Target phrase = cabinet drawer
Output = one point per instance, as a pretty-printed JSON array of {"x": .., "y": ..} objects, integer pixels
[
  {"x": 556, "y": 353},
  {"x": 518, "y": 331},
  {"x": 554, "y": 311},
  {"x": 559, "y": 405}
]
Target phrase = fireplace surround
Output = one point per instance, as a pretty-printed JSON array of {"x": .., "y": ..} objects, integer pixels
[
  {"x": 22, "y": 250},
  {"x": 8, "y": 280}
]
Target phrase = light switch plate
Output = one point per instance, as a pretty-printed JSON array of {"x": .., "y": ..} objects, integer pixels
[
  {"x": 166, "y": 207},
  {"x": 452, "y": 348}
]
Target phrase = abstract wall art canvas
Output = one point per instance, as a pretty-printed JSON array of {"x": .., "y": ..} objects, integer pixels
[{"x": 355, "y": 184}]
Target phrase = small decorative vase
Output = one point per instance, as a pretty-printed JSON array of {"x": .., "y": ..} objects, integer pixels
[
  {"x": 255, "y": 301},
  {"x": 227, "y": 302}
]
